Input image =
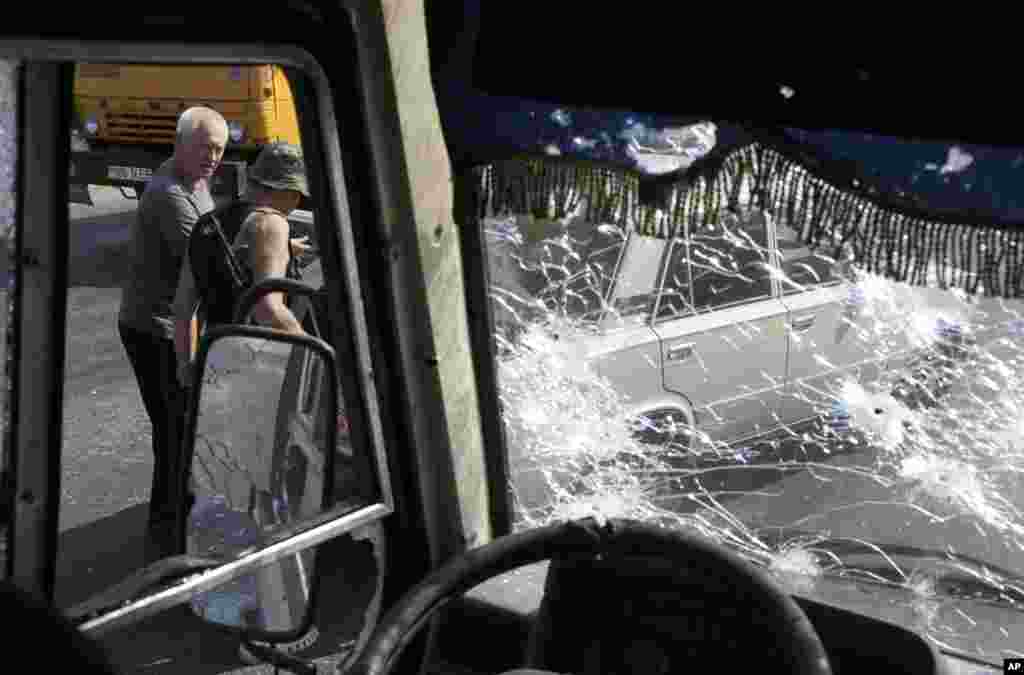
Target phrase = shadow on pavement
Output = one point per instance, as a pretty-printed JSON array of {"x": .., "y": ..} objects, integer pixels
[
  {"x": 100, "y": 554},
  {"x": 99, "y": 251}
]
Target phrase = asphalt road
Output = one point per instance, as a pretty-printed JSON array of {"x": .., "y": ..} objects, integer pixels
[{"x": 108, "y": 461}]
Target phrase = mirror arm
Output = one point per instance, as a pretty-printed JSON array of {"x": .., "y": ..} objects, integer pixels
[
  {"x": 280, "y": 659},
  {"x": 137, "y": 584}
]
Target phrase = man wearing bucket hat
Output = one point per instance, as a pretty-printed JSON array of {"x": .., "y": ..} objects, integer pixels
[{"x": 257, "y": 225}]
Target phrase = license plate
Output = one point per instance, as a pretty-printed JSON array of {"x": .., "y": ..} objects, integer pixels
[{"x": 129, "y": 173}]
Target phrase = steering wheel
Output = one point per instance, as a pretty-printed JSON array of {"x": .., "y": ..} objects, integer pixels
[{"x": 799, "y": 647}]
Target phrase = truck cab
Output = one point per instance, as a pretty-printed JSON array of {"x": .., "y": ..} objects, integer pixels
[{"x": 352, "y": 497}]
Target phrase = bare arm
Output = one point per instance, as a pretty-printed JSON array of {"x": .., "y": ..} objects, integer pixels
[{"x": 268, "y": 258}]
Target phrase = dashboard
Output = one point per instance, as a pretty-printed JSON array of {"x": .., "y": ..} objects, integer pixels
[{"x": 602, "y": 620}]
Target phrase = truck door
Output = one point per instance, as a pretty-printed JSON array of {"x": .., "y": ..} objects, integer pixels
[{"x": 79, "y": 437}]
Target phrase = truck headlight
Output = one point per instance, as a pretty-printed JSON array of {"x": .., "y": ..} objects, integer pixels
[
  {"x": 91, "y": 126},
  {"x": 237, "y": 131}
]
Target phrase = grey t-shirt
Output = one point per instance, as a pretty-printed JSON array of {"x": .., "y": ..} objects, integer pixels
[{"x": 166, "y": 214}]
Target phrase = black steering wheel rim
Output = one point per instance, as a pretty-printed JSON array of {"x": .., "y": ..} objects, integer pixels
[{"x": 800, "y": 645}]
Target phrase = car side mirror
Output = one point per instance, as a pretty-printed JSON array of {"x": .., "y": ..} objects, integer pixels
[{"x": 260, "y": 448}]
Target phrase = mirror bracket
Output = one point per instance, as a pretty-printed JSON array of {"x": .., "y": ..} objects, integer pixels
[
  {"x": 144, "y": 581},
  {"x": 275, "y": 657}
]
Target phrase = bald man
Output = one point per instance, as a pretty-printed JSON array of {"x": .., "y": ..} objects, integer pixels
[{"x": 174, "y": 199}]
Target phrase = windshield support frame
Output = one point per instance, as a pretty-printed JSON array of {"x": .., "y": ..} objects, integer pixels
[{"x": 41, "y": 271}]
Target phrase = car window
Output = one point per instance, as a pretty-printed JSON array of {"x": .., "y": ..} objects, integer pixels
[
  {"x": 801, "y": 268},
  {"x": 729, "y": 261},
  {"x": 587, "y": 274}
]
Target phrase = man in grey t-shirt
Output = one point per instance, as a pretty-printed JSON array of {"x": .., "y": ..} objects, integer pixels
[{"x": 176, "y": 197}]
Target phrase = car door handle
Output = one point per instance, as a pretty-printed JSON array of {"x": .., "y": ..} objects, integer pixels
[
  {"x": 802, "y": 323},
  {"x": 679, "y": 352}
]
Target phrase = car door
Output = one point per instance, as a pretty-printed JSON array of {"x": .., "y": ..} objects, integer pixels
[
  {"x": 828, "y": 344},
  {"x": 722, "y": 329}
]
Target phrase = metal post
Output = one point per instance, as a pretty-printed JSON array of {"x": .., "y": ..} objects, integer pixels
[{"x": 39, "y": 324}]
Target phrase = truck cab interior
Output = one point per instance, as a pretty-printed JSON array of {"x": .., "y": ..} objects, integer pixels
[{"x": 463, "y": 590}]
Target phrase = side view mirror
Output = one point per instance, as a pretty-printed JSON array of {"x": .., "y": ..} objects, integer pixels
[{"x": 261, "y": 442}]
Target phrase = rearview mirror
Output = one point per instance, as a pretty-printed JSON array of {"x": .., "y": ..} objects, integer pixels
[{"x": 261, "y": 450}]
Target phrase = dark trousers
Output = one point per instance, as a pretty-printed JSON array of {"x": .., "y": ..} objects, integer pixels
[{"x": 153, "y": 360}]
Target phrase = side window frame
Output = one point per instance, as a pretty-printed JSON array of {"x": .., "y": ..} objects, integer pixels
[
  {"x": 610, "y": 292},
  {"x": 682, "y": 241},
  {"x": 774, "y": 256},
  {"x": 39, "y": 258},
  {"x": 36, "y": 560}
]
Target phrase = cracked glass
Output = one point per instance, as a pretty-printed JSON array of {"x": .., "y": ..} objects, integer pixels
[{"x": 858, "y": 436}]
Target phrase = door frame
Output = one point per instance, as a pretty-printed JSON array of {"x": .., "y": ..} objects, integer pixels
[{"x": 41, "y": 281}]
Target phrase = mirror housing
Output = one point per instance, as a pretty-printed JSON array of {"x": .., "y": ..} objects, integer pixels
[{"x": 261, "y": 440}]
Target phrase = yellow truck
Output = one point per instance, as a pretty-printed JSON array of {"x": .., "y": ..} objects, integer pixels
[{"x": 126, "y": 116}]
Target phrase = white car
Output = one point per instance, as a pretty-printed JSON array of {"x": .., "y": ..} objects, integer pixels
[{"x": 734, "y": 329}]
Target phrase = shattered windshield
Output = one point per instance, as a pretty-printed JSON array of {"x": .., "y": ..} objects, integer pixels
[{"x": 702, "y": 327}]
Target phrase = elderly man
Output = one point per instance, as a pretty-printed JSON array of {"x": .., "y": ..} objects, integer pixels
[{"x": 176, "y": 196}]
